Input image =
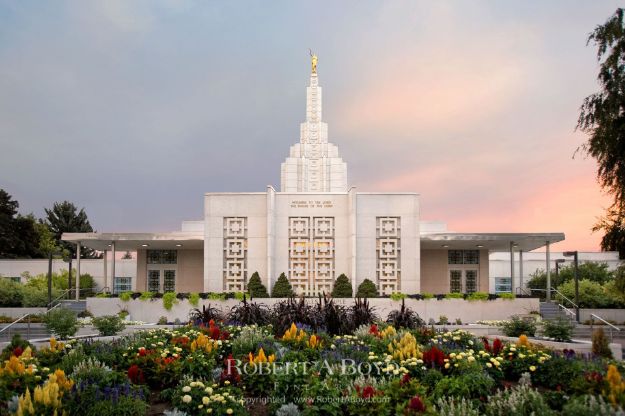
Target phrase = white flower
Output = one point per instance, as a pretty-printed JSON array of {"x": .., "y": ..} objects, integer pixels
[
  {"x": 186, "y": 398},
  {"x": 186, "y": 389}
]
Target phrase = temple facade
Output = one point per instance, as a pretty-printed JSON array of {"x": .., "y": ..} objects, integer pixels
[{"x": 313, "y": 229}]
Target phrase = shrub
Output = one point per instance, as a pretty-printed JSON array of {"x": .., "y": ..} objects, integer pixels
[
  {"x": 194, "y": 299},
  {"x": 478, "y": 296},
  {"x": 125, "y": 296},
  {"x": 342, "y": 287},
  {"x": 288, "y": 311},
  {"x": 204, "y": 316},
  {"x": 454, "y": 296},
  {"x": 560, "y": 329},
  {"x": 398, "y": 296},
  {"x": 62, "y": 322},
  {"x": 162, "y": 320},
  {"x": 443, "y": 320},
  {"x": 10, "y": 293},
  {"x": 507, "y": 296},
  {"x": 331, "y": 317},
  {"x": 282, "y": 288},
  {"x": 146, "y": 295},
  {"x": 516, "y": 327},
  {"x": 361, "y": 313},
  {"x": 37, "y": 297},
  {"x": 249, "y": 313},
  {"x": 169, "y": 300},
  {"x": 108, "y": 324},
  {"x": 404, "y": 317},
  {"x": 426, "y": 295},
  {"x": 470, "y": 385},
  {"x": 600, "y": 345},
  {"x": 591, "y": 294},
  {"x": 255, "y": 287},
  {"x": 367, "y": 289}
]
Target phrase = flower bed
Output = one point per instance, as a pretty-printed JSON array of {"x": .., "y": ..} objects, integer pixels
[{"x": 224, "y": 369}]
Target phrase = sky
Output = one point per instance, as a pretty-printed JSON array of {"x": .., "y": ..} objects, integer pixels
[{"x": 134, "y": 109}]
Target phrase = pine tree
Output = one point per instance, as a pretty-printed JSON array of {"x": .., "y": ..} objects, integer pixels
[
  {"x": 342, "y": 287},
  {"x": 255, "y": 287},
  {"x": 367, "y": 289},
  {"x": 282, "y": 288}
]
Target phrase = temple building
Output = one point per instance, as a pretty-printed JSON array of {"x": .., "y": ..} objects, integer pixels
[{"x": 313, "y": 229}]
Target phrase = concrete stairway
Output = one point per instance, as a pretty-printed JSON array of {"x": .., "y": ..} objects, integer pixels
[
  {"x": 76, "y": 306},
  {"x": 551, "y": 311},
  {"x": 26, "y": 331}
]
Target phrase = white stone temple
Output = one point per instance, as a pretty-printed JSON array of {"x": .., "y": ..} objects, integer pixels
[
  {"x": 314, "y": 164},
  {"x": 313, "y": 230}
]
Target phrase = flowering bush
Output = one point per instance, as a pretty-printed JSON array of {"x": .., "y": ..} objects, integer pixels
[{"x": 198, "y": 398}]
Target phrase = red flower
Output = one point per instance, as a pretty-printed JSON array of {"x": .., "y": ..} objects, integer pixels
[
  {"x": 135, "y": 374},
  {"x": 18, "y": 351},
  {"x": 373, "y": 329},
  {"x": 405, "y": 379},
  {"x": 230, "y": 372},
  {"x": 416, "y": 404},
  {"x": 497, "y": 346},
  {"x": 434, "y": 357},
  {"x": 367, "y": 392}
]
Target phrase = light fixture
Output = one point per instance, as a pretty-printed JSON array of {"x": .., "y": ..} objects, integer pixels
[
  {"x": 110, "y": 245},
  {"x": 445, "y": 245},
  {"x": 479, "y": 246},
  {"x": 144, "y": 245},
  {"x": 178, "y": 245}
]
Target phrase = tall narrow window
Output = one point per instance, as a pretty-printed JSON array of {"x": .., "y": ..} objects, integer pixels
[
  {"x": 154, "y": 280},
  {"x": 471, "y": 281},
  {"x": 455, "y": 281},
  {"x": 169, "y": 281}
]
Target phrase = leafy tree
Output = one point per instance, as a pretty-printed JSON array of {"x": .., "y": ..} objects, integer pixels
[
  {"x": 19, "y": 235},
  {"x": 10, "y": 293},
  {"x": 591, "y": 294},
  {"x": 590, "y": 270},
  {"x": 256, "y": 288},
  {"x": 127, "y": 256},
  {"x": 64, "y": 217},
  {"x": 367, "y": 289},
  {"x": 602, "y": 117},
  {"x": 282, "y": 288},
  {"x": 342, "y": 287},
  {"x": 8, "y": 210}
]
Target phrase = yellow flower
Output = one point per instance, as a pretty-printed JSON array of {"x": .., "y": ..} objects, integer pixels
[
  {"x": 229, "y": 411},
  {"x": 532, "y": 368}
]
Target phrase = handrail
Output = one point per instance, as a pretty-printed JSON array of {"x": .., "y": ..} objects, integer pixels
[
  {"x": 14, "y": 322},
  {"x": 25, "y": 316},
  {"x": 605, "y": 322},
  {"x": 553, "y": 289},
  {"x": 62, "y": 295},
  {"x": 567, "y": 310},
  {"x": 522, "y": 290}
]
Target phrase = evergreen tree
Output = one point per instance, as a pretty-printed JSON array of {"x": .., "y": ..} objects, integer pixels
[
  {"x": 282, "y": 288},
  {"x": 255, "y": 287},
  {"x": 64, "y": 217},
  {"x": 127, "y": 256},
  {"x": 342, "y": 287},
  {"x": 367, "y": 289}
]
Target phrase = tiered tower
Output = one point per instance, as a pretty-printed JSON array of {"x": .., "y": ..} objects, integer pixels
[{"x": 313, "y": 164}]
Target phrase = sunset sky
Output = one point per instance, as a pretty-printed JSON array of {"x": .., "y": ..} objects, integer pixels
[{"x": 134, "y": 109}]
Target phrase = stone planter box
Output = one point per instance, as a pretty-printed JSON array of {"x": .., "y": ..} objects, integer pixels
[{"x": 468, "y": 311}]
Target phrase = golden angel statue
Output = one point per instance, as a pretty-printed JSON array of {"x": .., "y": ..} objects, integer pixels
[{"x": 313, "y": 61}]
